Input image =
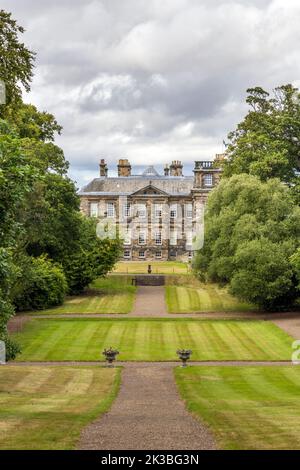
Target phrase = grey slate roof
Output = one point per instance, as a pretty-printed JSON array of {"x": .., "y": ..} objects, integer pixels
[{"x": 126, "y": 185}]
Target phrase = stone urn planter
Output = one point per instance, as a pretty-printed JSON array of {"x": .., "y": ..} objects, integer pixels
[
  {"x": 110, "y": 355},
  {"x": 184, "y": 355}
]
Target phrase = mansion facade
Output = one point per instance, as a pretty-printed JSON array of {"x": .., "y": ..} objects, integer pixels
[{"x": 158, "y": 217}]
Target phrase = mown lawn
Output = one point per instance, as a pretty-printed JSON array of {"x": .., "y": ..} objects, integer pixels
[
  {"x": 158, "y": 267},
  {"x": 152, "y": 340},
  {"x": 113, "y": 294},
  {"x": 47, "y": 407},
  {"x": 203, "y": 298},
  {"x": 245, "y": 407}
]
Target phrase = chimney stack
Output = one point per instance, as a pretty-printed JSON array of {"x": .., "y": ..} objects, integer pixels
[
  {"x": 220, "y": 157},
  {"x": 176, "y": 168},
  {"x": 124, "y": 168},
  {"x": 167, "y": 170},
  {"x": 103, "y": 167}
]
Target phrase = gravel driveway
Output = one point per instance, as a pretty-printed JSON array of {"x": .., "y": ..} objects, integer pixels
[{"x": 148, "y": 414}]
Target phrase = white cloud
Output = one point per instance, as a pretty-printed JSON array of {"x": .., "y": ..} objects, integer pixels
[{"x": 150, "y": 80}]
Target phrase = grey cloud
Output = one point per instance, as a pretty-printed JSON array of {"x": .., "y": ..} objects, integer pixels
[
  {"x": 186, "y": 95},
  {"x": 154, "y": 80}
]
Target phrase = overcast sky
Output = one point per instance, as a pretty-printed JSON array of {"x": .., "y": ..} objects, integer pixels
[{"x": 154, "y": 80}]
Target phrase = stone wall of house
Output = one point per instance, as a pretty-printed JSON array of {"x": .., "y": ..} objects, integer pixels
[{"x": 95, "y": 202}]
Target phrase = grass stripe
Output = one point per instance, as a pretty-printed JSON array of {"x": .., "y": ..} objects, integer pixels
[
  {"x": 246, "y": 408},
  {"x": 203, "y": 298},
  {"x": 52, "y": 416},
  {"x": 143, "y": 339}
]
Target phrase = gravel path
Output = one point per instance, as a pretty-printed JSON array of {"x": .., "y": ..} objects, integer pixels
[
  {"x": 16, "y": 323},
  {"x": 136, "y": 364},
  {"x": 116, "y": 316},
  {"x": 148, "y": 414},
  {"x": 290, "y": 325},
  {"x": 150, "y": 302}
]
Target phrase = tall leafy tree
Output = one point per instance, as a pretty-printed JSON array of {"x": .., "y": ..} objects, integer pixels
[
  {"x": 54, "y": 226},
  {"x": 32, "y": 123},
  {"x": 92, "y": 258},
  {"x": 295, "y": 260},
  {"x": 267, "y": 142},
  {"x": 252, "y": 229},
  {"x": 41, "y": 228},
  {"x": 16, "y": 60},
  {"x": 17, "y": 178}
]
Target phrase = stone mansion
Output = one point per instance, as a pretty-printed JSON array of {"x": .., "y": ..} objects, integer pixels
[{"x": 158, "y": 217}]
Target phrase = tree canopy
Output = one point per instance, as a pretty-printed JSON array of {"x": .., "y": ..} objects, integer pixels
[
  {"x": 43, "y": 236},
  {"x": 16, "y": 60},
  {"x": 17, "y": 178},
  {"x": 32, "y": 123},
  {"x": 266, "y": 143},
  {"x": 252, "y": 229}
]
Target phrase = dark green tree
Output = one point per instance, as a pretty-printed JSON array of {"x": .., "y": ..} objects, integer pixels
[
  {"x": 17, "y": 179},
  {"x": 92, "y": 258},
  {"x": 41, "y": 226},
  {"x": 264, "y": 275},
  {"x": 16, "y": 60},
  {"x": 33, "y": 124},
  {"x": 44, "y": 285},
  {"x": 252, "y": 228},
  {"x": 295, "y": 260},
  {"x": 54, "y": 226},
  {"x": 267, "y": 142}
]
